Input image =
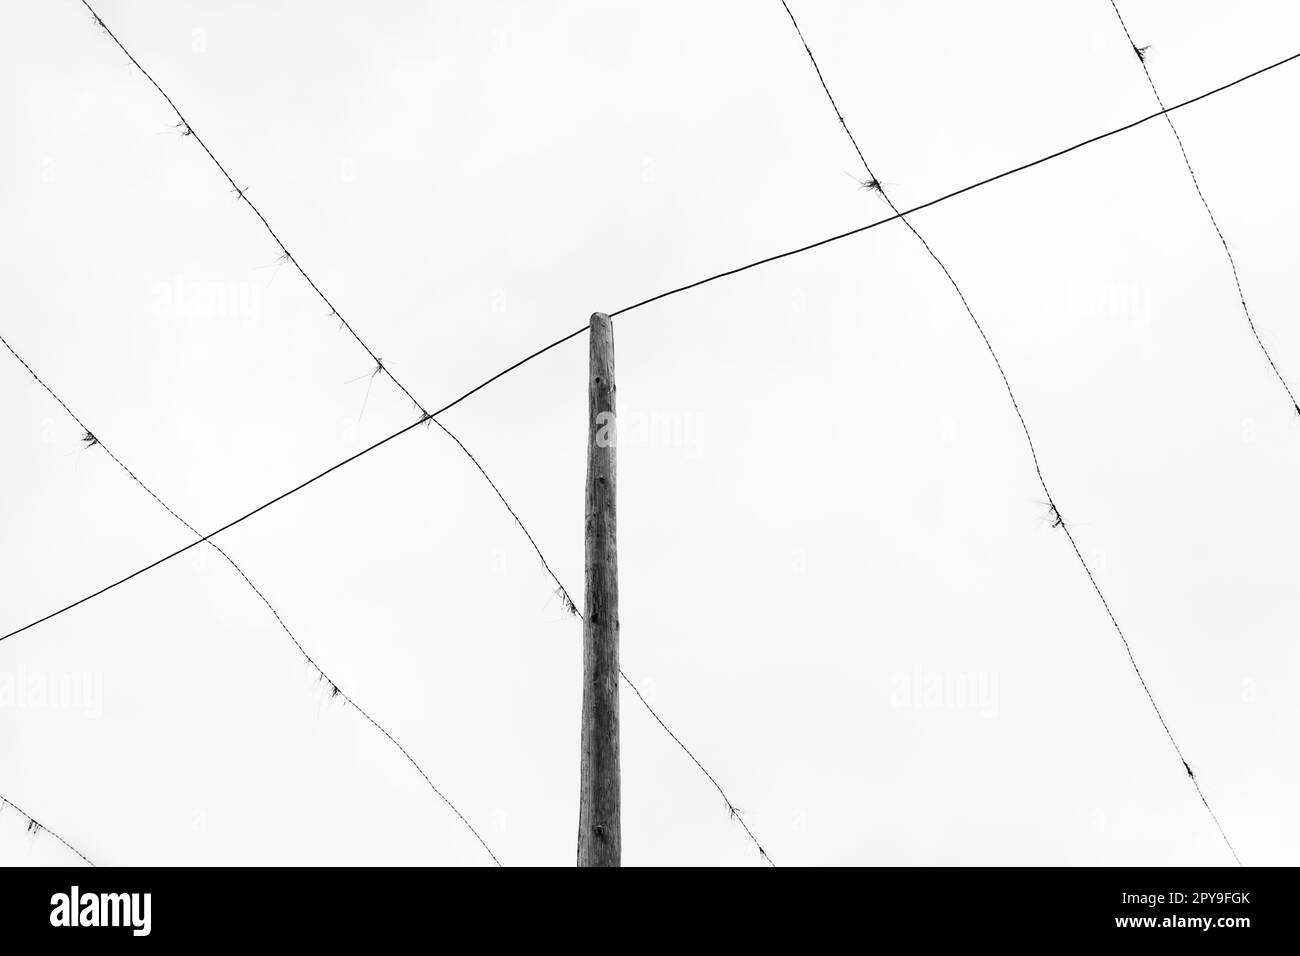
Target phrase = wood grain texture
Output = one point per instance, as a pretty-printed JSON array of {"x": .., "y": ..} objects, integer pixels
[{"x": 599, "y": 823}]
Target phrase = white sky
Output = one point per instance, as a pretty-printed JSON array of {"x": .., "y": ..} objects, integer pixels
[{"x": 847, "y": 502}]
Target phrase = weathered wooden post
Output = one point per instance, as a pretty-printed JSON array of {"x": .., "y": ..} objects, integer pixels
[{"x": 599, "y": 824}]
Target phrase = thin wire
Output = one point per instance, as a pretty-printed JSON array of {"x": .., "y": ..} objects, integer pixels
[
  {"x": 574, "y": 334},
  {"x": 35, "y": 827},
  {"x": 336, "y": 691},
  {"x": 944, "y": 198},
  {"x": 1058, "y": 520},
  {"x": 563, "y": 591},
  {"x": 732, "y": 810},
  {"x": 1241, "y": 295}
]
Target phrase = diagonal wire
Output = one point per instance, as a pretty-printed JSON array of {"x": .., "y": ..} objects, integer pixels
[
  {"x": 1232, "y": 263},
  {"x": 564, "y": 594},
  {"x": 732, "y": 810},
  {"x": 36, "y": 827},
  {"x": 927, "y": 204},
  {"x": 335, "y": 690},
  {"x": 1058, "y": 521},
  {"x": 241, "y": 192}
]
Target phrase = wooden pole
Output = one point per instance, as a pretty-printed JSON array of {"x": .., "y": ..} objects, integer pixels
[{"x": 600, "y": 841}]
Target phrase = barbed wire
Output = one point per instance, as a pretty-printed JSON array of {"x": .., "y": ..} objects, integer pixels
[
  {"x": 241, "y": 193},
  {"x": 1058, "y": 521},
  {"x": 732, "y": 810},
  {"x": 36, "y": 828},
  {"x": 1141, "y": 53}
]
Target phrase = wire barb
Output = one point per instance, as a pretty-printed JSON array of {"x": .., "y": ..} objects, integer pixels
[
  {"x": 871, "y": 185},
  {"x": 35, "y": 828},
  {"x": 567, "y": 602}
]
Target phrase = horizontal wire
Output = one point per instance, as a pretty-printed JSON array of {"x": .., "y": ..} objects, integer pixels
[
  {"x": 944, "y": 198},
  {"x": 179, "y": 551}
]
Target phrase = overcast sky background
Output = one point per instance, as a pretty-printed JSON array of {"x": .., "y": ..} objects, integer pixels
[{"x": 843, "y": 504}]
